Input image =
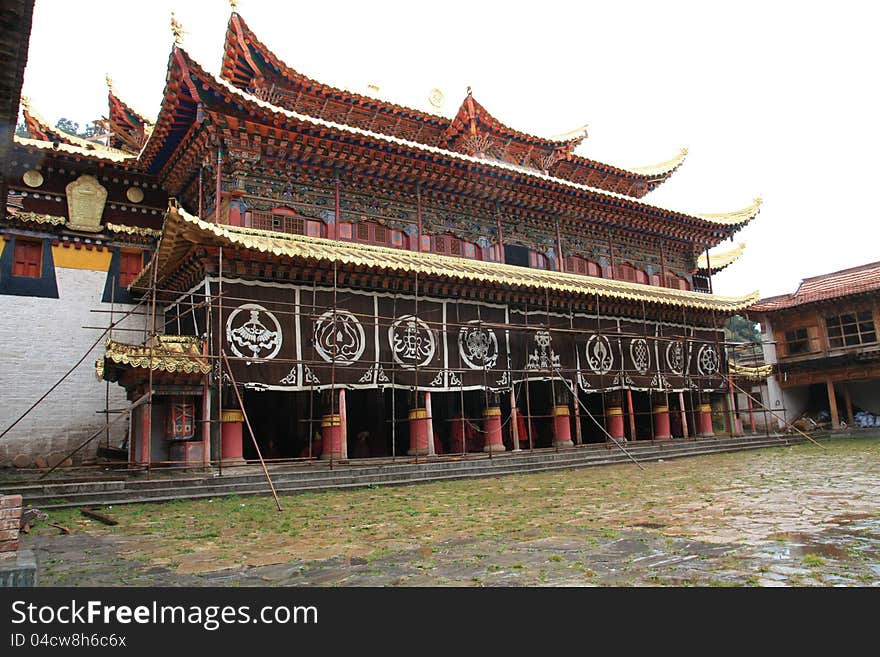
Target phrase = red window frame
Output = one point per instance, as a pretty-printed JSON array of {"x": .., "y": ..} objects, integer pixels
[
  {"x": 130, "y": 265},
  {"x": 27, "y": 258}
]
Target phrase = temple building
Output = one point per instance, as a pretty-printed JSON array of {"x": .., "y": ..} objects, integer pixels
[
  {"x": 342, "y": 277},
  {"x": 822, "y": 340}
]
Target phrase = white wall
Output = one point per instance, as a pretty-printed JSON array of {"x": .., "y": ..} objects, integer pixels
[{"x": 41, "y": 339}]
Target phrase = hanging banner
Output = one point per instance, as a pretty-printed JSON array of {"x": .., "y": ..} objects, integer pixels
[
  {"x": 477, "y": 336},
  {"x": 287, "y": 337}
]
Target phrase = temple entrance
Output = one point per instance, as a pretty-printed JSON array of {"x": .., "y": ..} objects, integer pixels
[
  {"x": 644, "y": 420},
  {"x": 592, "y": 432},
  {"x": 366, "y": 424},
  {"x": 281, "y": 423}
]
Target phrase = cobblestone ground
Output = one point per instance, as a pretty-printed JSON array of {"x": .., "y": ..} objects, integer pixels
[{"x": 788, "y": 516}]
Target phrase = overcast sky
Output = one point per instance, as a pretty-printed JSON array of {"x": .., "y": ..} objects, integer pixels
[{"x": 772, "y": 99}]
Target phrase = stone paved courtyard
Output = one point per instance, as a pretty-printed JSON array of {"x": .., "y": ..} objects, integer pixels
[{"x": 789, "y": 516}]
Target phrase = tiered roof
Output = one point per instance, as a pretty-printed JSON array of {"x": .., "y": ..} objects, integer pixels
[
  {"x": 835, "y": 285},
  {"x": 269, "y": 132},
  {"x": 252, "y": 67}
]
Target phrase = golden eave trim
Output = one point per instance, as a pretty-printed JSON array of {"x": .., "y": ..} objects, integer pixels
[
  {"x": 721, "y": 259},
  {"x": 430, "y": 264},
  {"x": 102, "y": 153},
  {"x": 134, "y": 230},
  {"x": 661, "y": 169},
  {"x": 737, "y": 216}
]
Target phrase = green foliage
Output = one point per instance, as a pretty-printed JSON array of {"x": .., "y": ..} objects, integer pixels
[
  {"x": 739, "y": 329},
  {"x": 72, "y": 128}
]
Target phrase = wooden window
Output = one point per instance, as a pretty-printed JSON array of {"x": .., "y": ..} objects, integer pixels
[
  {"x": 454, "y": 247},
  {"x": 440, "y": 244},
  {"x": 27, "y": 259},
  {"x": 363, "y": 231},
  {"x": 130, "y": 265},
  {"x": 380, "y": 234},
  {"x": 641, "y": 277},
  {"x": 626, "y": 273},
  {"x": 797, "y": 341},
  {"x": 851, "y": 329}
]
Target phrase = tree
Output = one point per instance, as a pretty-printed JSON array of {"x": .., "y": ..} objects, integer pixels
[
  {"x": 68, "y": 126},
  {"x": 21, "y": 130},
  {"x": 740, "y": 329}
]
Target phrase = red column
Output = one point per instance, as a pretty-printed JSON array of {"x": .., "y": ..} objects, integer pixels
[
  {"x": 418, "y": 432},
  {"x": 704, "y": 425},
  {"x": 562, "y": 426},
  {"x": 331, "y": 436},
  {"x": 230, "y": 437},
  {"x": 514, "y": 420},
  {"x": 661, "y": 422},
  {"x": 632, "y": 414},
  {"x": 614, "y": 421},
  {"x": 494, "y": 441}
]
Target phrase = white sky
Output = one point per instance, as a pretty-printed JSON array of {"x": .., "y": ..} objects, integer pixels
[{"x": 774, "y": 99}]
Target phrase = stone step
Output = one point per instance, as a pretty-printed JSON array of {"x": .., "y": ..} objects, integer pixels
[{"x": 82, "y": 494}]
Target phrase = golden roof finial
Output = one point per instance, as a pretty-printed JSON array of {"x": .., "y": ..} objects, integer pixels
[
  {"x": 26, "y": 102},
  {"x": 233, "y": 4},
  {"x": 108, "y": 80},
  {"x": 176, "y": 29}
]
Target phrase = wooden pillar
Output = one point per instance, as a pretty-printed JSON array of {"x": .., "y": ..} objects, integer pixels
[
  {"x": 432, "y": 449},
  {"x": 514, "y": 421},
  {"x": 632, "y": 415},
  {"x": 231, "y": 424},
  {"x": 578, "y": 438},
  {"x": 614, "y": 418},
  {"x": 332, "y": 438},
  {"x": 850, "y": 419},
  {"x": 661, "y": 419},
  {"x": 492, "y": 430},
  {"x": 751, "y": 414},
  {"x": 832, "y": 405},
  {"x": 684, "y": 419},
  {"x": 419, "y": 421},
  {"x": 705, "y": 419}
]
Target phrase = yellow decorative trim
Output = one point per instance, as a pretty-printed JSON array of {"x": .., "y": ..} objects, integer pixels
[
  {"x": 183, "y": 230},
  {"x": 720, "y": 260},
  {"x": 69, "y": 257},
  {"x": 492, "y": 411},
  {"x": 100, "y": 152},
  {"x": 168, "y": 353},
  {"x": 614, "y": 410},
  {"x": 737, "y": 216},
  {"x": 231, "y": 416},
  {"x": 333, "y": 420},
  {"x": 661, "y": 409},
  {"x": 38, "y": 218},
  {"x": 561, "y": 410},
  {"x": 663, "y": 168},
  {"x": 751, "y": 373},
  {"x": 418, "y": 414},
  {"x": 134, "y": 230},
  {"x": 705, "y": 408}
]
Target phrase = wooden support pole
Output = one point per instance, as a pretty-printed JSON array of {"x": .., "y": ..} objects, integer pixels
[{"x": 832, "y": 405}]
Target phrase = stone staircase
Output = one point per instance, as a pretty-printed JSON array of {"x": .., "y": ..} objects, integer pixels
[{"x": 312, "y": 476}]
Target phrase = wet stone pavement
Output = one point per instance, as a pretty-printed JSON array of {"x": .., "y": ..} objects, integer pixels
[{"x": 797, "y": 528}]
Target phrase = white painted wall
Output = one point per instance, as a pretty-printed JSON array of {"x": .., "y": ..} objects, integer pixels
[{"x": 41, "y": 339}]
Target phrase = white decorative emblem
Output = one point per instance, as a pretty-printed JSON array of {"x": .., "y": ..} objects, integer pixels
[
  {"x": 641, "y": 357},
  {"x": 542, "y": 357},
  {"x": 339, "y": 337},
  {"x": 254, "y": 335},
  {"x": 412, "y": 342},
  {"x": 290, "y": 379},
  {"x": 600, "y": 358},
  {"x": 707, "y": 359},
  {"x": 477, "y": 346},
  {"x": 675, "y": 356}
]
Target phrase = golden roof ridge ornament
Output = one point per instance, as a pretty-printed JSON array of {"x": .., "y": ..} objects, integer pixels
[
  {"x": 109, "y": 81},
  {"x": 233, "y": 4},
  {"x": 176, "y": 30}
]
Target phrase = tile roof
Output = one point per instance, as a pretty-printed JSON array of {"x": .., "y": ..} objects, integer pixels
[
  {"x": 855, "y": 280},
  {"x": 182, "y": 230}
]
